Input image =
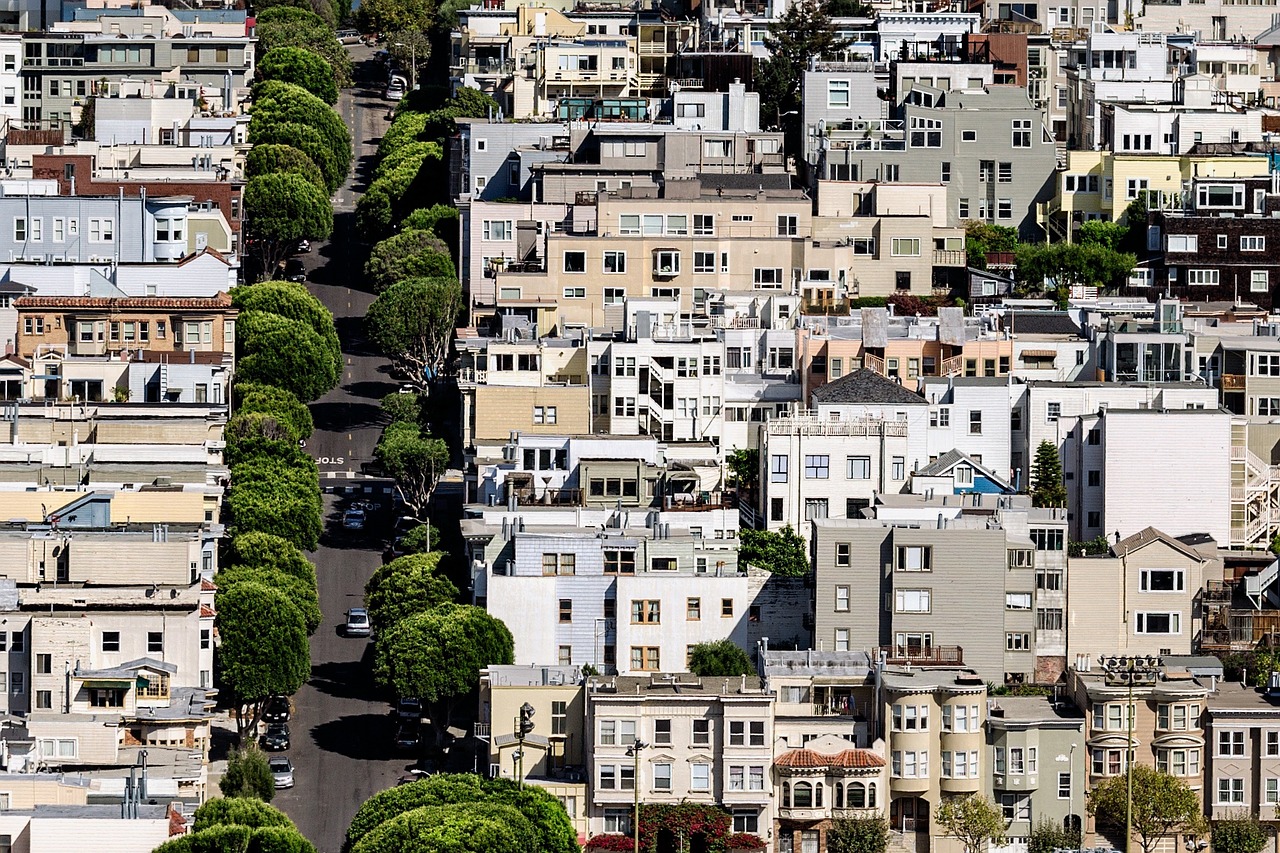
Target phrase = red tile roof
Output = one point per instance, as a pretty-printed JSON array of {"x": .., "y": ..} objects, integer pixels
[
  {"x": 207, "y": 585},
  {"x": 206, "y": 612},
  {"x": 858, "y": 758},
  {"x": 221, "y": 300}
]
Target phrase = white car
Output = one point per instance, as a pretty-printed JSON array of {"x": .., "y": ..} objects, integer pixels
[
  {"x": 358, "y": 624},
  {"x": 394, "y": 91},
  {"x": 281, "y": 772}
]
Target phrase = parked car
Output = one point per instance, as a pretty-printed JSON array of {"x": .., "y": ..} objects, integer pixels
[
  {"x": 407, "y": 736},
  {"x": 294, "y": 270},
  {"x": 354, "y": 519},
  {"x": 304, "y": 246},
  {"x": 409, "y": 708},
  {"x": 277, "y": 710},
  {"x": 358, "y": 624},
  {"x": 394, "y": 91},
  {"x": 281, "y": 772},
  {"x": 349, "y": 36},
  {"x": 277, "y": 738}
]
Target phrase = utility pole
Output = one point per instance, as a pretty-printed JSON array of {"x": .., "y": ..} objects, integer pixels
[
  {"x": 1128, "y": 671},
  {"x": 634, "y": 751}
]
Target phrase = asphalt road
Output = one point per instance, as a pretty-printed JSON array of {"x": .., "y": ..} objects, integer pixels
[{"x": 342, "y": 733}]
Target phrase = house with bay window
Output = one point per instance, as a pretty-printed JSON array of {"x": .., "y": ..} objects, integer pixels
[
  {"x": 826, "y": 779},
  {"x": 1242, "y": 729}
]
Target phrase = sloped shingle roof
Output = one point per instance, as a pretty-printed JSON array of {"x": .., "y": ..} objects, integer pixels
[{"x": 866, "y": 386}]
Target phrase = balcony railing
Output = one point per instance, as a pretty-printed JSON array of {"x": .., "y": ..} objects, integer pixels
[
  {"x": 1232, "y": 382},
  {"x": 949, "y": 258},
  {"x": 547, "y": 497},
  {"x": 924, "y": 655}
]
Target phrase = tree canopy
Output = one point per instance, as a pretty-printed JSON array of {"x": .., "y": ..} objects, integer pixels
[
  {"x": 1047, "y": 488},
  {"x": 406, "y": 177},
  {"x": 1067, "y": 265},
  {"x": 551, "y": 829},
  {"x": 308, "y": 140},
  {"x": 1239, "y": 832},
  {"x": 720, "y": 658},
  {"x": 781, "y": 552},
  {"x": 402, "y": 408},
  {"x": 264, "y": 648},
  {"x": 273, "y": 157},
  {"x": 251, "y": 434},
  {"x": 292, "y": 300},
  {"x": 277, "y": 497},
  {"x": 282, "y": 26},
  {"x": 301, "y": 67},
  {"x": 415, "y": 253},
  {"x": 300, "y": 592},
  {"x": 406, "y": 586},
  {"x": 276, "y": 102},
  {"x": 288, "y": 353},
  {"x": 240, "y": 825},
  {"x": 416, "y": 461},
  {"x": 388, "y": 16},
  {"x": 973, "y": 821},
  {"x": 452, "y": 828},
  {"x": 858, "y": 835},
  {"x": 276, "y": 402},
  {"x": 438, "y": 655},
  {"x": 247, "y": 781},
  {"x": 263, "y": 550},
  {"x": 238, "y": 811},
  {"x": 412, "y": 324},
  {"x": 282, "y": 208},
  {"x": 1162, "y": 805}
]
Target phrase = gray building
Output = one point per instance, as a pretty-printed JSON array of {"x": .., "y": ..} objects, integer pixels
[
  {"x": 61, "y": 70},
  {"x": 87, "y": 228},
  {"x": 1037, "y": 768},
  {"x": 989, "y": 146}
]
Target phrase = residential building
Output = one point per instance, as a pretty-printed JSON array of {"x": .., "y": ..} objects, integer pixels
[
  {"x": 1165, "y": 723},
  {"x": 1038, "y": 762},
  {"x": 971, "y": 415},
  {"x": 1141, "y": 596},
  {"x": 821, "y": 694},
  {"x": 1114, "y": 67},
  {"x": 988, "y": 146},
  {"x": 48, "y": 828},
  {"x": 934, "y": 722},
  {"x": 627, "y": 595},
  {"x": 886, "y": 583},
  {"x": 708, "y": 740},
  {"x": 1242, "y": 758},
  {"x": 47, "y": 227},
  {"x": 855, "y": 781}
]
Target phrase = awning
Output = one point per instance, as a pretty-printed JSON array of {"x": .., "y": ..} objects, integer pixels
[
  {"x": 122, "y": 681},
  {"x": 1039, "y": 353}
]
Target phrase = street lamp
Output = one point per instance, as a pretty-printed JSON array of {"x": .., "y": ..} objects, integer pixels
[
  {"x": 634, "y": 751},
  {"x": 524, "y": 725},
  {"x": 1128, "y": 671}
]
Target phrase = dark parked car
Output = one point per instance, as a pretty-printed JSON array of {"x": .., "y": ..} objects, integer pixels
[
  {"x": 407, "y": 736},
  {"x": 277, "y": 738},
  {"x": 409, "y": 708},
  {"x": 277, "y": 710}
]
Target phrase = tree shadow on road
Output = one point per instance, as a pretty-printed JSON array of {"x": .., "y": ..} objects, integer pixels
[
  {"x": 351, "y": 333},
  {"x": 371, "y": 389},
  {"x": 368, "y": 737},
  {"x": 344, "y": 417},
  {"x": 351, "y": 679}
]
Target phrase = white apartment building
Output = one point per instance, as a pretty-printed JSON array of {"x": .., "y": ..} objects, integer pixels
[
  {"x": 706, "y": 740},
  {"x": 627, "y": 592},
  {"x": 971, "y": 414},
  {"x": 1120, "y": 67}
]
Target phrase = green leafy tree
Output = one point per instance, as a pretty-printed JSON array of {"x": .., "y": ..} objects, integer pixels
[
  {"x": 438, "y": 655},
  {"x": 240, "y": 839},
  {"x": 276, "y": 102},
  {"x": 268, "y": 158},
  {"x": 308, "y": 140},
  {"x": 1163, "y": 805},
  {"x": 301, "y": 67},
  {"x": 254, "y": 434},
  {"x": 247, "y": 776},
  {"x": 393, "y": 16},
  {"x": 440, "y": 219},
  {"x": 1047, "y": 488},
  {"x": 552, "y": 831},
  {"x": 805, "y": 32},
  {"x": 422, "y": 539},
  {"x": 849, "y": 9},
  {"x": 288, "y": 353},
  {"x": 402, "y": 408},
  {"x": 412, "y": 324},
  {"x": 405, "y": 587},
  {"x": 973, "y": 821},
  {"x": 249, "y": 811},
  {"x": 781, "y": 552},
  {"x": 744, "y": 468},
  {"x": 411, "y": 49},
  {"x": 262, "y": 550},
  {"x": 980, "y": 238},
  {"x": 719, "y": 658},
  {"x": 456, "y": 827},
  {"x": 406, "y": 128},
  {"x": 406, "y": 178},
  {"x": 283, "y": 208},
  {"x": 1108, "y": 235},
  {"x": 1049, "y": 836},
  {"x": 264, "y": 648},
  {"x": 282, "y": 26},
  {"x": 276, "y": 402},
  {"x": 277, "y": 497},
  {"x": 408, "y": 255},
  {"x": 302, "y": 594},
  {"x": 416, "y": 461},
  {"x": 1239, "y": 832},
  {"x": 1071, "y": 264},
  {"x": 858, "y": 835},
  {"x": 292, "y": 300}
]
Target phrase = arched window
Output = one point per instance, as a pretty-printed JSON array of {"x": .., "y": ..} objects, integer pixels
[
  {"x": 839, "y": 795},
  {"x": 802, "y": 795},
  {"x": 857, "y": 795},
  {"x": 871, "y": 795},
  {"x": 817, "y": 794},
  {"x": 786, "y": 794}
]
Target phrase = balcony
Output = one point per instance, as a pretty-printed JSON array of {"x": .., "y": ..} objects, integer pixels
[
  {"x": 1232, "y": 382},
  {"x": 481, "y": 731},
  {"x": 802, "y": 814},
  {"x": 545, "y": 497},
  {"x": 950, "y": 258},
  {"x": 923, "y": 655},
  {"x": 485, "y": 69}
]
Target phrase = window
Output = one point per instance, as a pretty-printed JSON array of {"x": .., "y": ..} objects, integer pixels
[
  {"x": 1247, "y": 244},
  {"x": 102, "y": 230},
  {"x": 615, "y": 262},
  {"x": 915, "y": 558},
  {"x": 645, "y": 658},
  {"x": 666, "y": 262},
  {"x": 769, "y": 278},
  {"x": 817, "y": 467},
  {"x": 619, "y": 562},
  {"x": 905, "y": 247},
  {"x": 859, "y": 467},
  {"x": 617, "y": 821},
  {"x": 946, "y": 173},
  {"x": 701, "y": 732},
  {"x": 662, "y": 777},
  {"x": 704, "y": 225},
  {"x": 975, "y": 423},
  {"x": 1231, "y": 744},
  {"x": 787, "y": 226},
  {"x": 1017, "y": 642},
  {"x": 110, "y": 641},
  {"x": 1161, "y": 580},
  {"x": 1183, "y": 242},
  {"x": 1005, "y": 173},
  {"x": 1015, "y": 807},
  {"x": 842, "y": 599},
  {"x": 700, "y": 777},
  {"x": 20, "y": 229},
  {"x": 726, "y": 607},
  {"x": 746, "y": 821},
  {"x": 544, "y": 414},
  {"x": 566, "y": 610},
  {"x": 838, "y": 94},
  {"x": 1202, "y": 278},
  {"x": 926, "y": 132},
  {"x": 777, "y": 468},
  {"x": 155, "y": 642},
  {"x": 646, "y": 612},
  {"x": 1259, "y": 281},
  {"x": 1004, "y": 208},
  {"x": 1049, "y": 618},
  {"x": 693, "y": 609},
  {"x": 1230, "y": 791},
  {"x": 1064, "y": 785},
  {"x": 662, "y": 731},
  {"x": 1017, "y": 601},
  {"x": 1159, "y": 623},
  {"x": 909, "y": 601},
  {"x": 968, "y": 136},
  {"x": 575, "y": 262},
  {"x": 842, "y": 639}
]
